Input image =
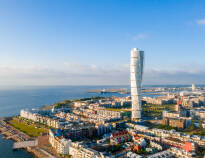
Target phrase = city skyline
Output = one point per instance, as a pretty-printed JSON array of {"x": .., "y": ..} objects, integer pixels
[
  {"x": 79, "y": 43},
  {"x": 102, "y": 78}
]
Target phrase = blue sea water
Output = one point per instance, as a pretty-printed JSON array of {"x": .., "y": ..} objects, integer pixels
[
  {"x": 13, "y": 100},
  {"x": 7, "y": 152}
]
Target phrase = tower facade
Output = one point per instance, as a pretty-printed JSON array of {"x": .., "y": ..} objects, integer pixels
[
  {"x": 193, "y": 87},
  {"x": 136, "y": 72}
]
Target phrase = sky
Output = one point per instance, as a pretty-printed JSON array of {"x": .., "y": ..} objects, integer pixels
[{"x": 88, "y": 42}]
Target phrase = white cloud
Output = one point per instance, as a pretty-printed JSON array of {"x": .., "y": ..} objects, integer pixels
[
  {"x": 66, "y": 74},
  {"x": 88, "y": 74},
  {"x": 140, "y": 36},
  {"x": 201, "y": 22}
]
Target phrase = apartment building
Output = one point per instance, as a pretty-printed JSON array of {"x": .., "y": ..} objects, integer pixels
[
  {"x": 109, "y": 113},
  {"x": 119, "y": 137},
  {"x": 78, "y": 150},
  {"x": 37, "y": 117},
  {"x": 60, "y": 144}
]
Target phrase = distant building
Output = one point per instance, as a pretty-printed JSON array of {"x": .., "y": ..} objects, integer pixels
[
  {"x": 193, "y": 87},
  {"x": 203, "y": 125},
  {"x": 109, "y": 113},
  {"x": 179, "y": 112},
  {"x": 199, "y": 113},
  {"x": 162, "y": 100}
]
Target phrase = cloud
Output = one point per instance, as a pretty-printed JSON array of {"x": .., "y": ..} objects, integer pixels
[
  {"x": 66, "y": 74},
  {"x": 201, "y": 22},
  {"x": 140, "y": 36},
  {"x": 89, "y": 74}
]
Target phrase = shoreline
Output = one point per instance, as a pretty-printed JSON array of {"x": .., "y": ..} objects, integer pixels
[{"x": 8, "y": 132}]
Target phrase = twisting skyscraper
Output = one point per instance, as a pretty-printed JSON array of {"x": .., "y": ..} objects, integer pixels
[{"x": 136, "y": 72}]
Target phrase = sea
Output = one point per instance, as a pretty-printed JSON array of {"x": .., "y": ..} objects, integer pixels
[{"x": 13, "y": 99}]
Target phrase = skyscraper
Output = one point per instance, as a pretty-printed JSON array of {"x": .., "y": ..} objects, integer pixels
[
  {"x": 193, "y": 87},
  {"x": 136, "y": 72}
]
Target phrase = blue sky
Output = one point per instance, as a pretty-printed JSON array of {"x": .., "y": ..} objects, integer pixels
[{"x": 71, "y": 42}]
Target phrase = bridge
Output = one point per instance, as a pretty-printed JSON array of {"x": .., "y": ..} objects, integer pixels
[{"x": 24, "y": 144}]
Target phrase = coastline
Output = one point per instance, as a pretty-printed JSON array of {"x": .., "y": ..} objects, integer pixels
[{"x": 9, "y": 132}]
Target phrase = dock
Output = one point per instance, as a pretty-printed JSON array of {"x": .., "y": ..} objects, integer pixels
[{"x": 25, "y": 144}]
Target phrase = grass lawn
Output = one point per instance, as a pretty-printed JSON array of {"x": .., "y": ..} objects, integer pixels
[{"x": 28, "y": 129}]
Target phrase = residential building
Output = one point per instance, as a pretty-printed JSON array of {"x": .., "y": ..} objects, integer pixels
[
  {"x": 60, "y": 144},
  {"x": 119, "y": 137}
]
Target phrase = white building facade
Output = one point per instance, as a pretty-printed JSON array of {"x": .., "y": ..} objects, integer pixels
[
  {"x": 136, "y": 72},
  {"x": 61, "y": 145}
]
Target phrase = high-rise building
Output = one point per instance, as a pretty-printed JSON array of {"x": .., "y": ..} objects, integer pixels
[
  {"x": 136, "y": 72},
  {"x": 193, "y": 87}
]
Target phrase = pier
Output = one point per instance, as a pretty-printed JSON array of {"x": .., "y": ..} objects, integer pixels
[{"x": 24, "y": 144}]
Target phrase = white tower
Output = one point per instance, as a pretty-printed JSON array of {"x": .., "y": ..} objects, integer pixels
[
  {"x": 193, "y": 87},
  {"x": 136, "y": 72}
]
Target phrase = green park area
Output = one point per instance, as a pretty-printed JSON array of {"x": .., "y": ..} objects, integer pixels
[{"x": 29, "y": 128}]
